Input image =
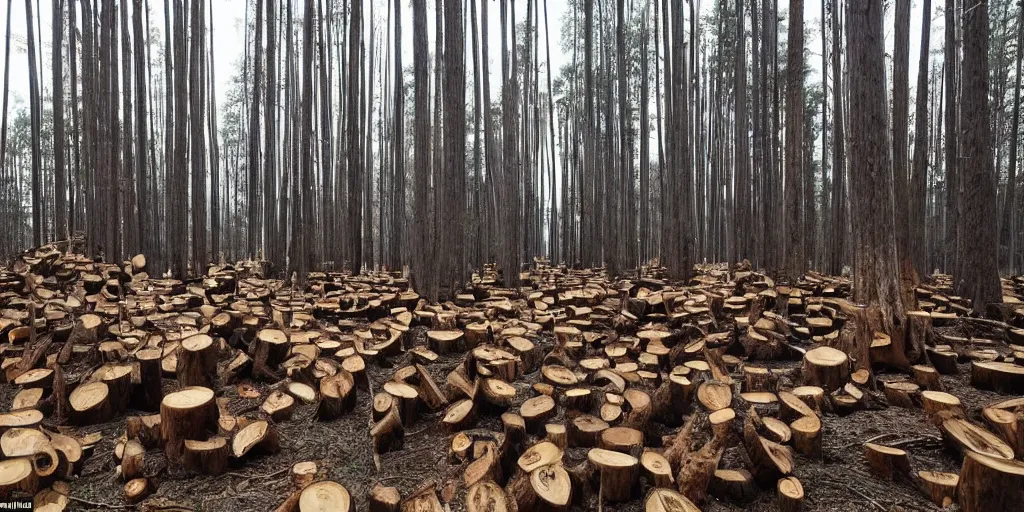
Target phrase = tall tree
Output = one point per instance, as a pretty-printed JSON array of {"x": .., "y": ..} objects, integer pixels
[
  {"x": 198, "y": 139},
  {"x": 455, "y": 145},
  {"x": 837, "y": 252},
  {"x": 978, "y": 278},
  {"x": 355, "y": 169},
  {"x": 876, "y": 278},
  {"x": 951, "y": 161},
  {"x": 59, "y": 169},
  {"x": 919, "y": 172},
  {"x": 795, "y": 259},
  {"x": 253, "y": 221},
  {"x": 741, "y": 217},
  {"x": 35, "y": 109},
  {"x": 145, "y": 224},
  {"x": 398, "y": 245},
  {"x": 900, "y": 159},
  {"x": 270, "y": 221},
  {"x": 1008, "y": 217},
  {"x": 421, "y": 164}
]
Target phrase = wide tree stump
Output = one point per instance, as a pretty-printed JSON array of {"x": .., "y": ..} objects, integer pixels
[
  {"x": 940, "y": 487},
  {"x": 791, "y": 494},
  {"x": 324, "y": 496},
  {"x": 197, "y": 361},
  {"x": 337, "y": 395},
  {"x": 826, "y": 368},
  {"x": 989, "y": 484},
  {"x": 887, "y": 462},
  {"x": 209, "y": 457},
  {"x": 997, "y": 376},
  {"x": 186, "y": 414},
  {"x": 90, "y": 404},
  {"x": 618, "y": 473}
]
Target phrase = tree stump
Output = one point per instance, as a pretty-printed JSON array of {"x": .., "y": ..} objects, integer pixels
[
  {"x": 90, "y": 404},
  {"x": 337, "y": 395},
  {"x": 384, "y": 499},
  {"x": 618, "y": 473},
  {"x": 988, "y": 484},
  {"x": 186, "y": 414},
  {"x": 791, "y": 494},
  {"x": 208, "y": 457},
  {"x": 668, "y": 500},
  {"x": 257, "y": 436},
  {"x": 325, "y": 495},
  {"x": 826, "y": 368},
  {"x": 197, "y": 361},
  {"x": 886, "y": 462}
]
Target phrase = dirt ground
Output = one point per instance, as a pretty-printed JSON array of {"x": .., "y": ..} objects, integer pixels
[{"x": 342, "y": 449}]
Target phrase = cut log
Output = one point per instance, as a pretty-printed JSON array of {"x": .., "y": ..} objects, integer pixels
[
  {"x": 445, "y": 341},
  {"x": 964, "y": 437},
  {"x": 384, "y": 499},
  {"x": 714, "y": 395},
  {"x": 487, "y": 497},
  {"x": 484, "y": 467},
  {"x": 577, "y": 399},
  {"x": 618, "y": 473},
  {"x": 337, "y": 395},
  {"x": 807, "y": 436},
  {"x": 547, "y": 488},
  {"x": 732, "y": 485},
  {"x": 901, "y": 393},
  {"x": 258, "y": 436},
  {"x": 407, "y": 400},
  {"x": 536, "y": 411},
  {"x": 137, "y": 489},
  {"x": 772, "y": 461},
  {"x": 279, "y": 406},
  {"x": 940, "y": 487},
  {"x": 936, "y": 401},
  {"x": 33, "y": 445},
  {"x": 459, "y": 449},
  {"x": 721, "y": 422},
  {"x": 460, "y": 416},
  {"x": 557, "y": 435},
  {"x": 621, "y": 439},
  {"x": 150, "y": 390},
  {"x": 197, "y": 361},
  {"x": 432, "y": 395},
  {"x": 208, "y": 457},
  {"x": 90, "y": 404},
  {"x": 538, "y": 455},
  {"x": 585, "y": 430},
  {"x": 325, "y": 496},
  {"x": 886, "y": 462},
  {"x": 275, "y": 343},
  {"x": 17, "y": 474},
  {"x": 301, "y": 391},
  {"x": 497, "y": 393},
  {"x": 826, "y": 368},
  {"x": 382, "y": 404},
  {"x": 186, "y": 414},
  {"x": 388, "y": 434},
  {"x": 927, "y": 377},
  {"x": 791, "y": 495},
  {"x": 667, "y": 500},
  {"x": 657, "y": 468},
  {"x": 133, "y": 460},
  {"x": 990, "y": 483},
  {"x": 558, "y": 375},
  {"x": 791, "y": 407},
  {"x": 303, "y": 474},
  {"x": 996, "y": 376}
]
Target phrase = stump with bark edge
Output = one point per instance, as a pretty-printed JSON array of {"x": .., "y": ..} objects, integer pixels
[
  {"x": 990, "y": 484},
  {"x": 791, "y": 494},
  {"x": 826, "y": 367},
  {"x": 186, "y": 414},
  {"x": 618, "y": 473},
  {"x": 324, "y": 496},
  {"x": 667, "y": 500},
  {"x": 209, "y": 457}
]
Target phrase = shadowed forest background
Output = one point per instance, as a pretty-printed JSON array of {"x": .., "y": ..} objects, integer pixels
[{"x": 675, "y": 131}]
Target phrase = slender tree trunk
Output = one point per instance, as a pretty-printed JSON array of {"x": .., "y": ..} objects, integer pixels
[
  {"x": 60, "y": 171},
  {"x": 270, "y": 220},
  {"x": 198, "y": 157},
  {"x": 129, "y": 177},
  {"x": 355, "y": 172},
  {"x": 178, "y": 242},
  {"x": 741, "y": 216},
  {"x": 1008, "y": 215},
  {"x": 421, "y": 165},
  {"x": 398, "y": 242},
  {"x": 838, "y": 250},
  {"x": 900, "y": 128},
  {"x": 952, "y": 55},
  {"x": 142, "y": 115},
  {"x": 35, "y": 108},
  {"x": 918, "y": 219}
]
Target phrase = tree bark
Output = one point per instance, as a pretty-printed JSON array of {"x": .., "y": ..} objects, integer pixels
[
  {"x": 978, "y": 278},
  {"x": 918, "y": 217},
  {"x": 795, "y": 260}
]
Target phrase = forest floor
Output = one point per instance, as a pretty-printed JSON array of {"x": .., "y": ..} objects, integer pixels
[{"x": 344, "y": 452}]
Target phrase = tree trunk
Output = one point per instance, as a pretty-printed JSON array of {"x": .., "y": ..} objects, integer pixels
[
  {"x": 978, "y": 278},
  {"x": 35, "y": 107},
  {"x": 876, "y": 276},
  {"x": 741, "y": 215},
  {"x": 795, "y": 259},
  {"x": 1008, "y": 216},
  {"x": 900, "y": 128},
  {"x": 837, "y": 252},
  {"x": 422, "y": 264},
  {"x": 917, "y": 218},
  {"x": 952, "y": 56},
  {"x": 60, "y": 171},
  {"x": 355, "y": 172}
]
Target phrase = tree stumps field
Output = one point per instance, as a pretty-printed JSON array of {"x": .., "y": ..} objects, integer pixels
[{"x": 571, "y": 391}]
